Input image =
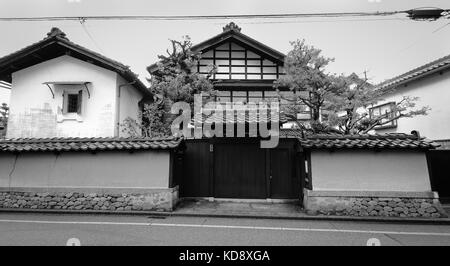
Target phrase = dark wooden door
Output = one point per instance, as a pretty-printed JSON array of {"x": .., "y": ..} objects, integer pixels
[
  {"x": 439, "y": 168},
  {"x": 239, "y": 171},
  {"x": 283, "y": 181},
  {"x": 195, "y": 179}
]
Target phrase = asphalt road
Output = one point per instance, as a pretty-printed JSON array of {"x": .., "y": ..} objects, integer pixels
[{"x": 57, "y": 229}]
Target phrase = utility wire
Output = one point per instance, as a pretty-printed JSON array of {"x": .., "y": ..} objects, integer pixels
[
  {"x": 319, "y": 21},
  {"x": 206, "y": 17},
  {"x": 440, "y": 28},
  {"x": 421, "y": 39},
  {"x": 82, "y": 22}
]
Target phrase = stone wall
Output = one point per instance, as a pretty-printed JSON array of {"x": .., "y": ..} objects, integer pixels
[
  {"x": 150, "y": 201},
  {"x": 414, "y": 205}
]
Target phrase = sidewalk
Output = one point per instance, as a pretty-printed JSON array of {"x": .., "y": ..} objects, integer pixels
[
  {"x": 251, "y": 210},
  {"x": 248, "y": 209},
  {"x": 265, "y": 210}
]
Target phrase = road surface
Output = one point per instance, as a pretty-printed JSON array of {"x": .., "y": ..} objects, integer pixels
[{"x": 57, "y": 229}]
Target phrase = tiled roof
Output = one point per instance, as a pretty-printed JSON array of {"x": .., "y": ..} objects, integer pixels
[
  {"x": 249, "y": 117},
  {"x": 381, "y": 141},
  {"x": 87, "y": 144},
  {"x": 331, "y": 141},
  {"x": 432, "y": 67},
  {"x": 233, "y": 33},
  {"x": 56, "y": 36},
  {"x": 290, "y": 133}
]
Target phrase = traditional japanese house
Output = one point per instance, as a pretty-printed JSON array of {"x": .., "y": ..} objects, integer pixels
[
  {"x": 76, "y": 159},
  {"x": 329, "y": 174},
  {"x": 228, "y": 166}
]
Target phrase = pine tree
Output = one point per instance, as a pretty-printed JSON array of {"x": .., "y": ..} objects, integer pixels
[
  {"x": 338, "y": 103},
  {"x": 175, "y": 80}
]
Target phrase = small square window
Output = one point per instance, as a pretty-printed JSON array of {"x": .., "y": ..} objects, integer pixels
[{"x": 72, "y": 103}]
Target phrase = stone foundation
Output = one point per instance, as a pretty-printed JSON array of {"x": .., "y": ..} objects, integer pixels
[
  {"x": 381, "y": 204},
  {"x": 143, "y": 200}
]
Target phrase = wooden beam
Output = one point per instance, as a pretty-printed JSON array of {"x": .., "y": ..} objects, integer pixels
[{"x": 37, "y": 56}]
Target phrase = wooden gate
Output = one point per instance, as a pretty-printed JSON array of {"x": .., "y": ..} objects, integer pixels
[
  {"x": 439, "y": 168},
  {"x": 239, "y": 168},
  {"x": 239, "y": 171},
  {"x": 195, "y": 178},
  {"x": 284, "y": 183}
]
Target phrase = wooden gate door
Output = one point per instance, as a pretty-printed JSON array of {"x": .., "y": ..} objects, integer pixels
[
  {"x": 439, "y": 168},
  {"x": 195, "y": 179},
  {"x": 284, "y": 184},
  {"x": 239, "y": 171}
]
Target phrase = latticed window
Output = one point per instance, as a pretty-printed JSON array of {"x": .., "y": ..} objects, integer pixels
[
  {"x": 72, "y": 102},
  {"x": 236, "y": 62}
]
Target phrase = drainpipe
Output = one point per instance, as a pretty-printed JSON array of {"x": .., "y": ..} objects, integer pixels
[{"x": 117, "y": 127}]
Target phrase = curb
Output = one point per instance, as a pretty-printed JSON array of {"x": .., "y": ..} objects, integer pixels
[
  {"x": 88, "y": 212},
  {"x": 442, "y": 221},
  {"x": 164, "y": 214}
]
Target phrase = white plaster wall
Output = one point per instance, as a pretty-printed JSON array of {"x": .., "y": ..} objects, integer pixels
[
  {"x": 33, "y": 110},
  {"x": 433, "y": 91},
  {"x": 359, "y": 170},
  {"x": 146, "y": 169},
  {"x": 129, "y": 98}
]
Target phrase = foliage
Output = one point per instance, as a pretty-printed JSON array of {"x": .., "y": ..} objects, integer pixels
[
  {"x": 305, "y": 72},
  {"x": 4, "y": 113},
  {"x": 173, "y": 81},
  {"x": 149, "y": 124},
  {"x": 338, "y": 103},
  {"x": 349, "y": 107}
]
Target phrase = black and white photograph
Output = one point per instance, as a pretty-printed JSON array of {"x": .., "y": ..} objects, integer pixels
[{"x": 222, "y": 130}]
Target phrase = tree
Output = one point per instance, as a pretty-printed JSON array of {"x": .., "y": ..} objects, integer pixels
[
  {"x": 306, "y": 77},
  {"x": 347, "y": 106},
  {"x": 150, "y": 122},
  {"x": 348, "y": 109},
  {"x": 338, "y": 103},
  {"x": 174, "y": 80},
  {"x": 4, "y": 113}
]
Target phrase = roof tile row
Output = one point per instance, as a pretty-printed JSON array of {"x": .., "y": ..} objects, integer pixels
[
  {"x": 330, "y": 141},
  {"x": 233, "y": 117},
  {"x": 431, "y": 67},
  {"x": 386, "y": 141},
  {"x": 87, "y": 144}
]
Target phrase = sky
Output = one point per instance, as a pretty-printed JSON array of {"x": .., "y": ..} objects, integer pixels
[{"x": 382, "y": 46}]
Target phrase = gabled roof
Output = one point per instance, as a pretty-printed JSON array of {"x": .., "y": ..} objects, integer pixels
[
  {"x": 438, "y": 65},
  {"x": 231, "y": 32},
  {"x": 87, "y": 144},
  {"x": 57, "y": 44}
]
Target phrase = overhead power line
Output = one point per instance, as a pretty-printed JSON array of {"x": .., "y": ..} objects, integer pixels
[
  {"x": 206, "y": 17},
  {"x": 82, "y": 22},
  {"x": 423, "y": 13}
]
